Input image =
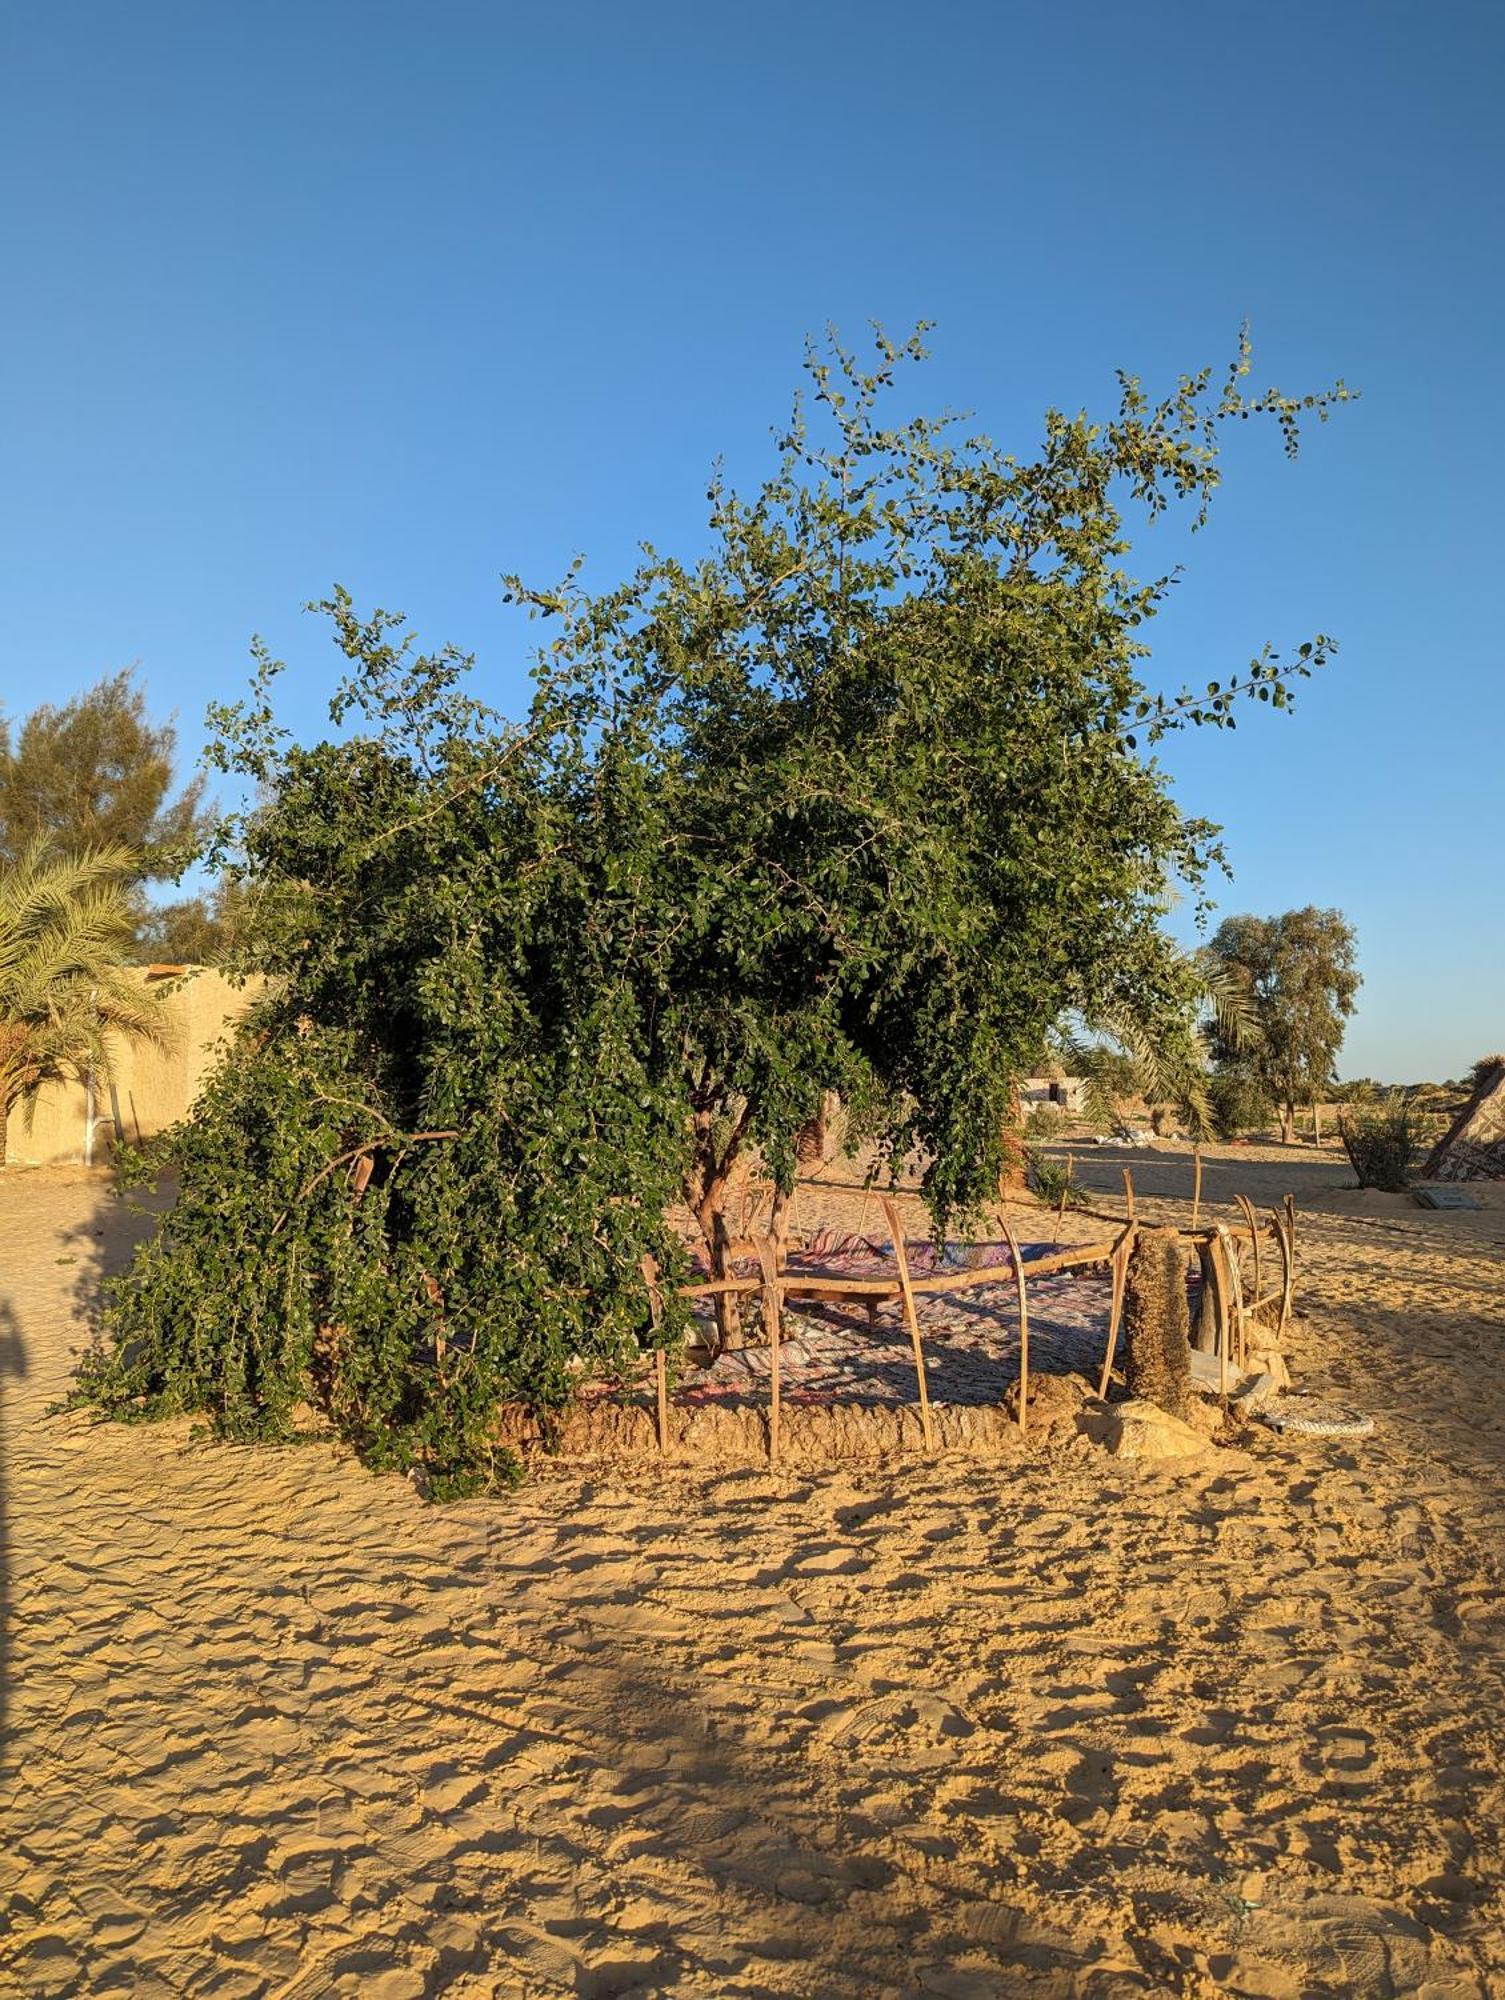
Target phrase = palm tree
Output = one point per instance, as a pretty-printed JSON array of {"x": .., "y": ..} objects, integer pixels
[
  {"x": 66, "y": 1001},
  {"x": 1166, "y": 1054}
]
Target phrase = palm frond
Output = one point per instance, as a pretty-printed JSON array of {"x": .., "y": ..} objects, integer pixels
[{"x": 66, "y": 1002}]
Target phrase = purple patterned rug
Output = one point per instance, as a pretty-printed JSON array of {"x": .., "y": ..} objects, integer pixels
[{"x": 831, "y": 1353}]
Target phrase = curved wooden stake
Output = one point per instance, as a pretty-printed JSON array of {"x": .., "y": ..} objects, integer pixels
[
  {"x": 661, "y": 1373},
  {"x": 1018, "y": 1263},
  {"x": 1237, "y": 1343},
  {"x": 896, "y": 1231},
  {"x": 1122, "y": 1251},
  {"x": 1285, "y": 1236},
  {"x": 1129, "y": 1192},
  {"x": 1259, "y": 1291},
  {"x": 1218, "y": 1265},
  {"x": 773, "y": 1319}
]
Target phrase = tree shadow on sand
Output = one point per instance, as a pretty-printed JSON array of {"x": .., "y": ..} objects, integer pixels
[
  {"x": 13, "y": 1366},
  {"x": 36, "y": 1366}
]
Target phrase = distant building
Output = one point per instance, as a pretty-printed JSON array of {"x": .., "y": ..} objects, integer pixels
[{"x": 1070, "y": 1092}]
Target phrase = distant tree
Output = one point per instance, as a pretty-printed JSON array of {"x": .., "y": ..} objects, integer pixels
[
  {"x": 98, "y": 772},
  {"x": 65, "y": 1004},
  {"x": 1300, "y": 978},
  {"x": 1240, "y": 1102},
  {"x": 1359, "y": 1090},
  {"x": 1136, "y": 1047},
  {"x": 197, "y": 930}
]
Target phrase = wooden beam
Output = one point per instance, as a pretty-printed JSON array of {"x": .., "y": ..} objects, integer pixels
[
  {"x": 1122, "y": 1251},
  {"x": 896, "y": 1230},
  {"x": 1023, "y": 1332},
  {"x": 773, "y": 1321}
]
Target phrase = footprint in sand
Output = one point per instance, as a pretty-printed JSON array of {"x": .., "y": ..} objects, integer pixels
[
  {"x": 1360, "y": 1946},
  {"x": 927, "y": 1726}
]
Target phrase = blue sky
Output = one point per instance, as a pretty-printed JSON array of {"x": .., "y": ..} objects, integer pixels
[{"x": 403, "y": 296}]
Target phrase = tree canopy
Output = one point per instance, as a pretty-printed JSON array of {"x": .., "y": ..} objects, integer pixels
[
  {"x": 861, "y": 799},
  {"x": 98, "y": 772},
  {"x": 1301, "y": 979}
]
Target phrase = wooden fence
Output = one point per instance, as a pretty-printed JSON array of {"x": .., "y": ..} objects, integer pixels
[{"x": 1221, "y": 1249}]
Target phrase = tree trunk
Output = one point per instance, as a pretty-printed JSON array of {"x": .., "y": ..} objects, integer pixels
[
  {"x": 1013, "y": 1175},
  {"x": 710, "y": 1213},
  {"x": 1206, "y": 1338},
  {"x": 729, "y": 1334},
  {"x": 706, "y": 1190},
  {"x": 1157, "y": 1354},
  {"x": 1288, "y": 1124},
  {"x": 810, "y": 1146}
]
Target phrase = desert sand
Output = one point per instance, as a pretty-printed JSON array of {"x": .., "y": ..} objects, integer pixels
[{"x": 1056, "y": 1724}]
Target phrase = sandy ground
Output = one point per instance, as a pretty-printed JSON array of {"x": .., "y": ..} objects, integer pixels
[{"x": 1058, "y": 1725}]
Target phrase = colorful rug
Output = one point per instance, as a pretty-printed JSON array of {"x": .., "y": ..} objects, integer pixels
[{"x": 971, "y": 1339}]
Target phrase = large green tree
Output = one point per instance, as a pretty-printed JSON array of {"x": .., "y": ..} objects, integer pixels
[
  {"x": 861, "y": 799},
  {"x": 1300, "y": 977}
]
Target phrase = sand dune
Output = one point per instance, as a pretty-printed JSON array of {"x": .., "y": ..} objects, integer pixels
[{"x": 1056, "y": 1725}]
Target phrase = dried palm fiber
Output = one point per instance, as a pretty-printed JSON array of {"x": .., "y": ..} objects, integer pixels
[{"x": 1157, "y": 1360}]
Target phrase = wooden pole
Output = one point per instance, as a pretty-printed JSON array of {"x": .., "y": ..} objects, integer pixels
[
  {"x": 1120, "y": 1264},
  {"x": 649, "y": 1269},
  {"x": 772, "y": 1319},
  {"x": 1284, "y": 1236},
  {"x": 1018, "y": 1263},
  {"x": 867, "y": 1202},
  {"x": 1080, "y": 1256},
  {"x": 1259, "y": 1291},
  {"x": 1219, "y": 1265},
  {"x": 896, "y": 1231},
  {"x": 1239, "y": 1329},
  {"x": 661, "y": 1371},
  {"x": 1129, "y": 1192},
  {"x": 1065, "y": 1197},
  {"x": 1196, "y": 1182}
]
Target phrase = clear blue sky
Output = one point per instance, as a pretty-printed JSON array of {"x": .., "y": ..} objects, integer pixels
[{"x": 403, "y": 296}]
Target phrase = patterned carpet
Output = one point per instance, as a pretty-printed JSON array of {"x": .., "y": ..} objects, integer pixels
[{"x": 971, "y": 1339}]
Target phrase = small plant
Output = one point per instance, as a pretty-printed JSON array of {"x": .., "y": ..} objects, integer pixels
[
  {"x": 1053, "y": 1181},
  {"x": 1381, "y": 1143},
  {"x": 1045, "y": 1121}
]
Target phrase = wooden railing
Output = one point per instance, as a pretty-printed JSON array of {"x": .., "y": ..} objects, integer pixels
[{"x": 1220, "y": 1248}]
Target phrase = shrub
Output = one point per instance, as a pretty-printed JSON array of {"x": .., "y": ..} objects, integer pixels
[
  {"x": 1045, "y": 1121},
  {"x": 1051, "y": 1179},
  {"x": 1381, "y": 1144},
  {"x": 1240, "y": 1103}
]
